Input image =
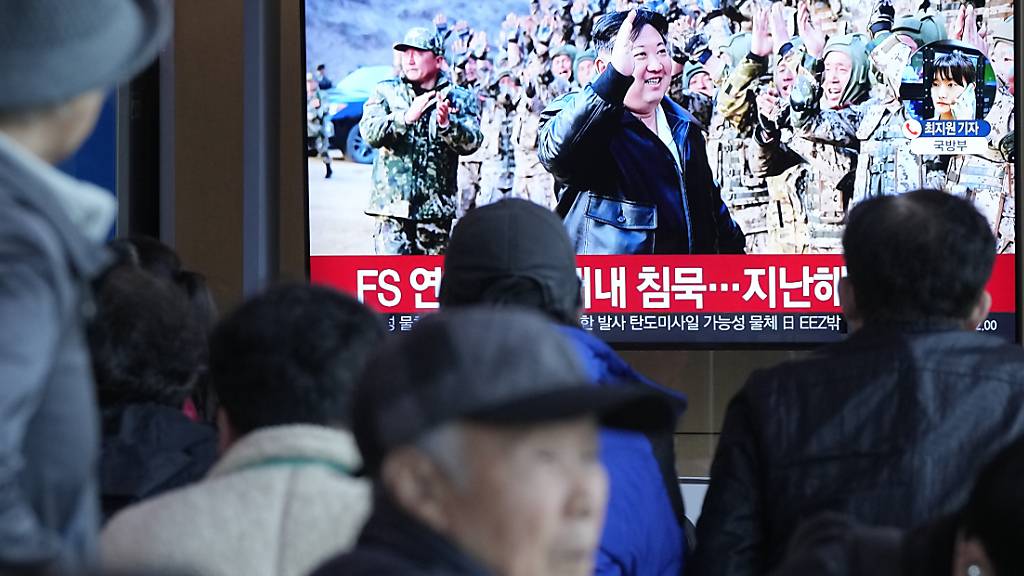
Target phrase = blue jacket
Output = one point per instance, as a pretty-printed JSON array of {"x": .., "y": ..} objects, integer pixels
[
  {"x": 643, "y": 531},
  {"x": 620, "y": 190}
]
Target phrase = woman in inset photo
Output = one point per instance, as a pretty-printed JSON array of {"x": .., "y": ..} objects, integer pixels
[{"x": 953, "y": 87}]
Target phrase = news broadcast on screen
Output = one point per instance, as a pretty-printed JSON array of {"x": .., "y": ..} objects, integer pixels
[{"x": 703, "y": 154}]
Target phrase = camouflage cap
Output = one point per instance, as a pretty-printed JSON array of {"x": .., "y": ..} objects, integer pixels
[
  {"x": 923, "y": 30},
  {"x": 565, "y": 50},
  {"x": 421, "y": 39},
  {"x": 590, "y": 54},
  {"x": 690, "y": 70},
  {"x": 737, "y": 47}
]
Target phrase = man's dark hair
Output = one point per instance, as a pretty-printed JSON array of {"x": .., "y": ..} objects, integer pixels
[
  {"x": 292, "y": 355},
  {"x": 994, "y": 514},
  {"x": 321, "y": 67},
  {"x": 607, "y": 27},
  {"x": 954, "y": 66},
  {"x": 924, "y": 255},
  {"x": 161, "y": 260},
  {"x": 145, "y": 342}
]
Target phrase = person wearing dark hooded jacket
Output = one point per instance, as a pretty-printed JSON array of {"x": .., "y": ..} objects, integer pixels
[
  {"x": 886, "y": 426},
  {"x": 148, "y": 348}
]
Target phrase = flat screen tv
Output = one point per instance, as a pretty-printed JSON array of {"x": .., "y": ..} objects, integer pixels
[{"x": 779, "y": 116}]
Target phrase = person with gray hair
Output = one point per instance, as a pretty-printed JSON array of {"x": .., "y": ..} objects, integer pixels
[
  {"x": 57, "y": 59},
  {"x": 487, "y": 263},
  {"x": 479, "y": 429}
]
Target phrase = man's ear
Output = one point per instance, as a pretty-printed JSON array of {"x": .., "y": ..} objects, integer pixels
[
  {"x": 848, "y": 302},
  {"x": 980, "y": 311},
  {"x": 418, "y": 486},
  {"x": 600, "y": 64}
]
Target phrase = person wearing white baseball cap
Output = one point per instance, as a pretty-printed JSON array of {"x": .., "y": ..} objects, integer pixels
[{"x": 57, "y": 60}]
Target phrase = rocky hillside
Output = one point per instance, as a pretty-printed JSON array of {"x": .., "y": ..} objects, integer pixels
[{"x": 346, "y": 34}]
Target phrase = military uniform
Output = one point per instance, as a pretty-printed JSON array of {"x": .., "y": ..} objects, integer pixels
[
  {"x": 319, "y": 127},
  {"x": 414, "y": 195},
  {"x": 817, "y": 159},
  {"x": 987, "y": 180},
  {"x": 729, "y": 135},
  {"x": 498, "y": 168},
  {"x": 531, "y": 180},
  {"x": 469, "y": 174},
  {"x": 812, "y": 152},
  {"x": 886, "y": 166}
]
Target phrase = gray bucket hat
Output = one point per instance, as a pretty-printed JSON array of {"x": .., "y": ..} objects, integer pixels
[{"x": 54, "y": 50}]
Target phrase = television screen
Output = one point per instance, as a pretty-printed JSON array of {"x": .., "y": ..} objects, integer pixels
[{"x": 706, "y": 199}]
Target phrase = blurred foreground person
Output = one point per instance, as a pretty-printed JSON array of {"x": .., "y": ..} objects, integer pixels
[
  {"x": 480, "y": 431},
  {"x": 516, "y": 253},
  {"x": 981, "y": 539},
  {"x": 148, "y": 349},
  {"x": 57, "y": 60},
  {"x": 885, "y": 426},
  {"x": 283, "y": 497}
]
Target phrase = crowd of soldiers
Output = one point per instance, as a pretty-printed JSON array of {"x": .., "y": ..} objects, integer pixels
[{"x": 799, "y": 101}]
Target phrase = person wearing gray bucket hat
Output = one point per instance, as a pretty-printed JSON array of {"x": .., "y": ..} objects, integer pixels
[
  {"x": 57, "y": 59},
  {"x": 516, "y": 253},
  {"x": 479, "y": 430}
]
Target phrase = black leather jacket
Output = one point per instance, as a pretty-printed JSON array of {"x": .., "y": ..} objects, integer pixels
[
  {"x": 889, "y": 427},
  {"x": 620, "y": 190}
]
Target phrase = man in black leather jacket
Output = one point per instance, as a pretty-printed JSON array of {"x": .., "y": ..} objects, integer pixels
[
  {"x": 889, "y": 426},
  {"x": 630, "y": 164}
]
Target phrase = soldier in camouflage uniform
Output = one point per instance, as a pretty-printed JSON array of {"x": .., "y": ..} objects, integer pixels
[
  {"x": 730, "y": 129},
  {"x": 886, "y": 165},
  {"x": 743, "y": 190},
  {"x": 469, "y": 175},
  {"x": 540, "y": 87},
  {"x": 987, "y": 180},
  {"x": 583, "y": 70},
  {"x": 807, "y": 155},
  {"x": 498, "y": 166},
  {"x": 421, "y": 124},
  {"x": 318, "y": 126},
  {"x": 693, "y": 90}
]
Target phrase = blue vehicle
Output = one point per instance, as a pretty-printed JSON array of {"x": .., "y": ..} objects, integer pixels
[{"x": 345, "y": 108}]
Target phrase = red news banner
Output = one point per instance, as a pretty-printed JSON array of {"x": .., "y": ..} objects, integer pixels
[
  {"x": 631, "y": 284},
  {"x": 624, "y": 294}
]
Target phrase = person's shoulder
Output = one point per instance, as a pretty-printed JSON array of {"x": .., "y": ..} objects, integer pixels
[
  {"x": 564, "y": 100},
  {"x": 364, "y": 561},
  {"x": 28, "y": 238},
  {"x": 389, "y": 85},
  {"x": 988, "y": 351},
  {"x": 152, "y": 530}
]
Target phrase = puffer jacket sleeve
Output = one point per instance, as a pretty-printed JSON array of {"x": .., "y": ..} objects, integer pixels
[
  {"x": 730, "y": 532},
  {"x": 578, "y": 121}
]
